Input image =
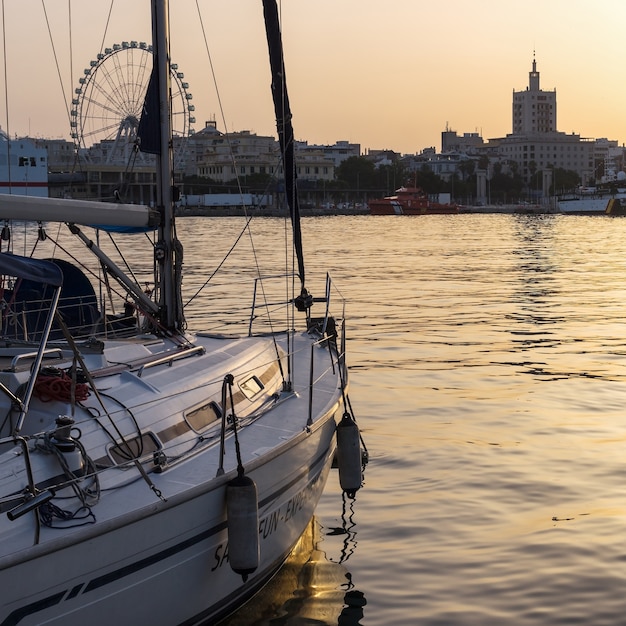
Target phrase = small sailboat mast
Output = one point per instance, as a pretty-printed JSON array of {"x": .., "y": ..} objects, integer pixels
[{"x": 155, "y": 134}]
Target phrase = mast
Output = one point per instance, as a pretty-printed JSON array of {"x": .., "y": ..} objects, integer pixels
[
  {"x": 155, "y": 136},
  {"x": 282, "y": 111}
]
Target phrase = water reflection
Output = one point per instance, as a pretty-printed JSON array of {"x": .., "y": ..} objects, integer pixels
[
  {"x": 536, "y": 292},
  {"x": 347, "y": 530},
  {"x": 534, "y": 276},
  {"x": 311, "y": 587}
]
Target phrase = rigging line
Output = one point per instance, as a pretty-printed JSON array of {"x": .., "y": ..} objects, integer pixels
[
  {"x": 218, "y": 96},
  {"x": 6, "y": 92},
  {"x": 57, "y": 244},
  {"x": 92, "y": 385},
  {"x": 56, "y": 59},
  {"x": 217, "y": 269},
  {"x": 106, "y": 26},
  {"x": 78, "y": 164},
  {"x": 123, "y": 258},
  {"x": 71, "y": 40},
  {"x": 223, "y": 115},
  {"x": 290, "y": 272},
  {"x": 54, "y": 247},
  {"x": 262, "y": 285},
  {"x": 124, "y": 188},
  {"x": 234, "y": 164}
]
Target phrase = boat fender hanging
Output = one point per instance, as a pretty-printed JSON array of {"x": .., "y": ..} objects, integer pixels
[
  {"x": 349, "y": 455},
  {"x": 242, "y": 514}
]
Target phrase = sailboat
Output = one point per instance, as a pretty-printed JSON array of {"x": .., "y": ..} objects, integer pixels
[{"x": 150, "y": 475}]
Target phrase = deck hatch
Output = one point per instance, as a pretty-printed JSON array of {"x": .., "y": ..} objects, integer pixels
[
  {"x": 203, "y": 416},
  {"x": 251, "y": 387},
  {"x": 134, "y": 448}
]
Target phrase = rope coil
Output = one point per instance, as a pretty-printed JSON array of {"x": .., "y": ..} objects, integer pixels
[{"x": 59, "y": 387}]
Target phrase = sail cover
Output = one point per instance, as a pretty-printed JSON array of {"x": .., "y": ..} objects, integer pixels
[
  {"x": 30, "y": 269},
  {"x": 149, "y": 130},
  {"x": 36, "y": 209}
]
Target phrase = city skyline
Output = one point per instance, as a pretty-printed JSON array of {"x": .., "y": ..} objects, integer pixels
[{"x": 385, "y": 75}]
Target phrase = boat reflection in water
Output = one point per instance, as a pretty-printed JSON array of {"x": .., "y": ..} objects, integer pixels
[{"x": 313, "y": 586}]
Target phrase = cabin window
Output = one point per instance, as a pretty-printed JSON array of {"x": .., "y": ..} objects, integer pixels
[
  {"x": 251, "y": 387},
  {"x": 202, "y": 416},
  {"x": 134, "y": 448}
]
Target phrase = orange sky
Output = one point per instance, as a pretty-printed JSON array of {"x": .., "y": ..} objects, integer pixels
[{"x": 383, "y": 74}]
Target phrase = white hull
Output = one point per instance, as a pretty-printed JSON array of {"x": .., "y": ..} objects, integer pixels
[
  {"x": 593, "y": 205},
  {"x": 583, "y": 205},
  {"x": 153, "y": 561},
  {"x": 171, "y": 566}
]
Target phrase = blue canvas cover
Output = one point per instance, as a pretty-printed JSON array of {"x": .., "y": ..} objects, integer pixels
[{"x": 30, "y": 269}]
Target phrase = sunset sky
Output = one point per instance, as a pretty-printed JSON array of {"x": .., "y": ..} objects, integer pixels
[{"x": 386, "y": 74}]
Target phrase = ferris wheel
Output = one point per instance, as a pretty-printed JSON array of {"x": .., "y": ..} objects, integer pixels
[{"x": 107, "y": 104}]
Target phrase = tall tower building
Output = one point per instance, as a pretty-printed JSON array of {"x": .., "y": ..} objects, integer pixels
[{"x": 534, "y": 110}]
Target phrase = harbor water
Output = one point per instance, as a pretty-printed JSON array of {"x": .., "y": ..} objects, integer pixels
[{"x": 488, "y": 374}]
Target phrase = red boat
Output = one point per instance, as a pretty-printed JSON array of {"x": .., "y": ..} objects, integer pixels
[{"x": 410, "y": 201}]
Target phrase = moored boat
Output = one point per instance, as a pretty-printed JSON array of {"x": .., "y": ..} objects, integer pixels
[
  {"x": 23, "y": 167},
  {"x": 412, "y": 201},
  {"x": 150, "y": 474},
  {"x": 593, "y": 202}
]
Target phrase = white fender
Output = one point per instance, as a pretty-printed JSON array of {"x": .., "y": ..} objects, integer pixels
[{"x": 242, "y": 515}]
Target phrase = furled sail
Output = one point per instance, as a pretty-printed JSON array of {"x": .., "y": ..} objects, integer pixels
[
  {"x": 282, "y": 111},
  {"x": 149, "y": 129}
]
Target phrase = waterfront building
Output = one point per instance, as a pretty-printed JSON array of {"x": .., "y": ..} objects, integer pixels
[
  {"x": 610, "y": 160},
  {"x": 534, "y": 148},
  {"x": 338, "y": 152},
  {"x": 534, "y": 110},
  {"x": 535, "y": 145},
  {"x": 444, "y": 165},
  {"x": 61, "y": 154},
  {"x": 467, "y": 143},
  {"x": 224, "y": 156},
  {"x": 535, "y": 152}
]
